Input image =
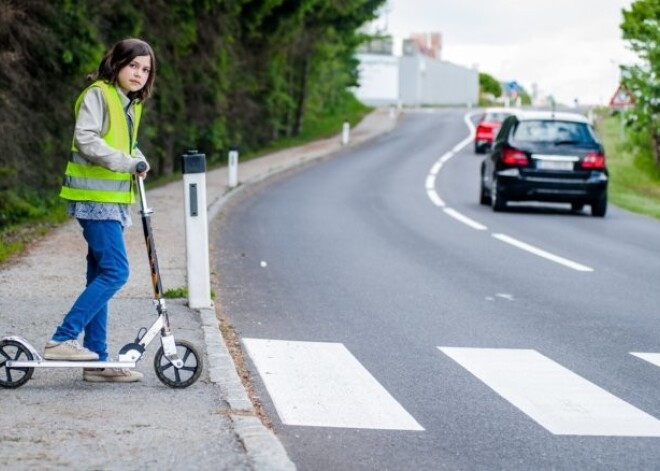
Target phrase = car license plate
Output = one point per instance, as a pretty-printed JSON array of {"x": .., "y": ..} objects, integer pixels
[{"x": 554, "y": 164}]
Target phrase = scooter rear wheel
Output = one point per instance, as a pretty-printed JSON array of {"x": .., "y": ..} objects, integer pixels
[
  {"x": 182, "y": 377},
  {"x": 14, "y": 377}
]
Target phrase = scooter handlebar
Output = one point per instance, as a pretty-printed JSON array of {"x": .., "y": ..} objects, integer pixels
[{"x": 140, "y": 167}]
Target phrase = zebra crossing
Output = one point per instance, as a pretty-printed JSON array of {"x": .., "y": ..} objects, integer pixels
[{"x": 321, "y": 384}]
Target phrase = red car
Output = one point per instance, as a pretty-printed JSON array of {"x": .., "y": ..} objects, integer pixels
[{"x": 487, "y": 128}]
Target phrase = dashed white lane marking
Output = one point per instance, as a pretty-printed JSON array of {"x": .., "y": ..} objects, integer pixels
[
  {"x": 430, "y": 182},
  {"x": 436, "y": 200},
  {"x": 465, "y": 220},
  {"x": 561, "y": 401},
  {"x": 541, "y": 253},
  {"x": 323, "y": 385},
  {"x": 653, "y": 358},
  {"x": 435, "y": 169}
]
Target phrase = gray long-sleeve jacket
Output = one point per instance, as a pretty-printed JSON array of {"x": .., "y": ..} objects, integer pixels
[{"x": 92, "y": 123}]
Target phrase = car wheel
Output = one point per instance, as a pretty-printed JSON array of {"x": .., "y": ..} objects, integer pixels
[
  {"x": 577, "y": 207},
  {"x": 484, "y": 194},
  {"x": 497, "y": 202},
  {"x": 599, "y": 205},
  {"x": 477, "y": 149}
]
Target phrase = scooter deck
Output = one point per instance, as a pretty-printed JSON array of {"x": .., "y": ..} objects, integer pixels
[
  {"x": 39, "y": 362},
  {"x": 69, "y": 364}
]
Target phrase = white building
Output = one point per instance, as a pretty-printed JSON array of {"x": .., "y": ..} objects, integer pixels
[
  {"x": 414, "y": 79},
  {"x": 379, "y": 79}
]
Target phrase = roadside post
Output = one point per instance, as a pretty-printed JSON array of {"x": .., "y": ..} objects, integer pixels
[
  {"x": 345, "y": 133},
  {"x": 232, "y": 172},
  {"x": 193, "y": 165}
]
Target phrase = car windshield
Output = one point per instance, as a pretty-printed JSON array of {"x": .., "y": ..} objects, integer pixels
[
  {"x": 551, "y": 131},
  {"x": 495, "y": 116}
]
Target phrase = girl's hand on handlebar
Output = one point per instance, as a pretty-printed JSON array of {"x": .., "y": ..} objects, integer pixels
[{"x": 141, "y": 169}]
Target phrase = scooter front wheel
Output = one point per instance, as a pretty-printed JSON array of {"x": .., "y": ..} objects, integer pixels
[
  {"x": 182, "y": 377},
  {"x": 14, "y": 377}
]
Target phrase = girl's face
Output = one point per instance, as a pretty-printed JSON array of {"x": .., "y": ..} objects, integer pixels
[{"x": 133, "y": 77}]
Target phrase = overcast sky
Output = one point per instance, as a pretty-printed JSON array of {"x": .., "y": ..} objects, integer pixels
[{"x": 568, "y": 48}]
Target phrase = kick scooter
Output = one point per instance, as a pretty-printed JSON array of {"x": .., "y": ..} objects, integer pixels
[{"x": 177, "y": 363}]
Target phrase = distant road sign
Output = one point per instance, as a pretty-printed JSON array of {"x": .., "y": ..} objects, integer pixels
[{"x": 622, "y": 98}]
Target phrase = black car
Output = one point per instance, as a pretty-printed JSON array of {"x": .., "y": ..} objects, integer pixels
[{"x": 546, "y": 156}]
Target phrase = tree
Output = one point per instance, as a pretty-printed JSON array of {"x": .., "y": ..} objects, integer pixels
[
  {"x": 329, "y": 41},
  {"x": 641, "y": 28},
  {"x": 304, "y": 56},
  {"x": 489, "y": 85},
  {"x": 44, "y": 48},
  {"x": 230, "y": 72}
]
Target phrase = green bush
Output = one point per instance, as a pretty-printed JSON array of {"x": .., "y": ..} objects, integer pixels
[
  {"x": 634, "y": 174},
  {"x": 26, "y": 205}
]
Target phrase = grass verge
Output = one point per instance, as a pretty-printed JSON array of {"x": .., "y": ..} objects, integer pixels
[
  {"x": 15, "y": 238},
  {"x": 317, "y": 127},
  {"x": 634, "y": 175}
]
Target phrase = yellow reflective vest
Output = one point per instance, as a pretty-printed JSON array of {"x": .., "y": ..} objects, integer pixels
[{"x": 85, "y": 181}]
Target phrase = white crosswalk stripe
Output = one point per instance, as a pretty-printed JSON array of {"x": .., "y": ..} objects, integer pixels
[
  {"x": 324, "y": 385},
  {"x": 653, "y": 358},
  {"x": 555, "y": 397}
]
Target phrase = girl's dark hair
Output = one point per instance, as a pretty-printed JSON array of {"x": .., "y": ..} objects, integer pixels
[{"x": 119, "y": 56}]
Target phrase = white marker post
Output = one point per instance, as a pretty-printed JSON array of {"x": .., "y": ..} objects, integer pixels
[
  {"x": 345, "y": 133},
  {"x": 232, "y": 173},
  {"x": 197, "y": 239}
]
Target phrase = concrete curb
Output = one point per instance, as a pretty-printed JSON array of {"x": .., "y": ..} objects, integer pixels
[
  {"x": 221, "y": 368},
  {"x": 264, "y": 450}
]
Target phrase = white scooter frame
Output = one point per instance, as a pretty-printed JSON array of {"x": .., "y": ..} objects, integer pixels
[{"x": 177, "y": 363}]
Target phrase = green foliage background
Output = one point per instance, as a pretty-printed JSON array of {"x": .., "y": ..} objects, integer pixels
[
  {"x": 488, "y": 84},
  {"x": 641, "y": 30},
  {"x": 240, "y": 73}
]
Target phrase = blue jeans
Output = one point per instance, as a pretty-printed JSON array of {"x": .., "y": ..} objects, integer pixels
[{"x": 107, "y": 272}]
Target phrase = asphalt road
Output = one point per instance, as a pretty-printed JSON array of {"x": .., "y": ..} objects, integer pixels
[{"x": 391, "y": 322}]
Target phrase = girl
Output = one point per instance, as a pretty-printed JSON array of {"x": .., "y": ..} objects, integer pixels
[{"x": 98, "y": 183}]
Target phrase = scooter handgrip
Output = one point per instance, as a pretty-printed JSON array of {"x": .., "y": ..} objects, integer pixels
[{"x": 140, "y": 167}]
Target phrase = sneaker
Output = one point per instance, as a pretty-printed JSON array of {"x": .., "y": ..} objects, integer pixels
[
  {"x": 111, "y": 375},
  {"x": 68, "y": 350}
]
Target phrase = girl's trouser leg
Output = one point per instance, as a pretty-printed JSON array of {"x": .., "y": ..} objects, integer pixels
[
  {"x": 107, "y": 272},
  {"x": 96, "y": 329}
]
